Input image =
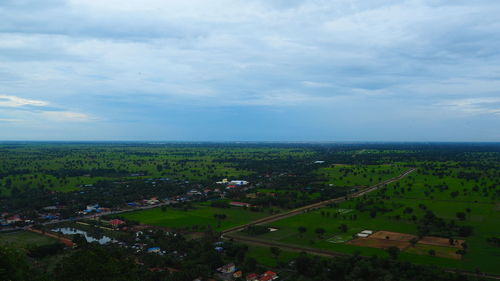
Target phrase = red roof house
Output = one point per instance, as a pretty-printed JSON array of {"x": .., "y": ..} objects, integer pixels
[
  {"x": 116, "y": 222},
  {"x": 251, "y": 277},
  {"x": 239, "y": 204}
]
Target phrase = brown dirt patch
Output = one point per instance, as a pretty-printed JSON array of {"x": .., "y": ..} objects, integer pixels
[
  {"x": 393, "y": 236},
  {"x": 440, "y": 241},
  {"x": 379, "y": 243}
]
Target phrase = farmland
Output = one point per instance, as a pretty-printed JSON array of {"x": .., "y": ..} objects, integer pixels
[
  {"x": 358, "y": 175},
  {"x": 440, "y": 192},
  {"x": 66, "y": 167},
  {"x": 202, "y": 217},
  {"x": 24, "y": 240},
  {"x": 443, "y": 210}
]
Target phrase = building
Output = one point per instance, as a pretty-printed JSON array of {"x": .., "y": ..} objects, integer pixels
[
  {"x": 238, "y": 182},
  {"x": 116, "y": 222},
  {"x": 251, "y": 277},
  {"x": 271, "y": 274},
  {"x": 228, "y": 268},
  {"x": 240, "y": 204},
  {"x": 155, "y": 250}
]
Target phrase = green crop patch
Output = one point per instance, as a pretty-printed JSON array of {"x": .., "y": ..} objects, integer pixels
[{"x": 200, "y": 218}]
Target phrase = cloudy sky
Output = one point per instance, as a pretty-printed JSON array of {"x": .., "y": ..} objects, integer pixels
[{"x": 316, "y": 70}]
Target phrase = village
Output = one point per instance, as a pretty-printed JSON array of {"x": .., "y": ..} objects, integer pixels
[{"x": 94, "y": 223}]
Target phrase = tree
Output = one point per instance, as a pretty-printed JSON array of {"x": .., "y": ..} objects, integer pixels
[
  {"x": 460, "y": 216},
  {"x": 320, "y": 231},
  {"x": 343, "y": 228},
  {"x": 275, "y": 251},
  {"x": 302, "y": 230},
  {"x": 13, "y": 266},
  {"x": 413, "y": 241},
  {"x": 219, "y": 218},
  {"x": 393, "y": 252},
  {"x": 432, "y": 252},
  {"x": 250, "y": 264}
]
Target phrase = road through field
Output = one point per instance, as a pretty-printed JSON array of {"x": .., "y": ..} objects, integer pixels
[
  {"x": 231, "y": 233},
  {"x": 316, "y": 205}
]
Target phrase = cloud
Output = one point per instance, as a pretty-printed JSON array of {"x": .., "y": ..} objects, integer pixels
[
  {"x": 475, "y": 105},
  {"x": 13, "y": 101},
  {"x": 313, "y": 84},
  {"x": 9, "y": 120},
  {"x": 65, "y": 116},
  {"x": 156, "y": 62}
]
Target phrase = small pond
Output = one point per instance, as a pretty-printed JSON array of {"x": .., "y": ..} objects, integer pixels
[{"x": 70, "y": 231}]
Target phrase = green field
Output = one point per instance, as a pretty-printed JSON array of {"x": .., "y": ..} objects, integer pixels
[
  {"x": 482, "y": 211},
  {"x": 198, "y": 218},
  {"x": 264, "y": 257},
  {"x": 24, "y": 240},
  {"x": 358, "y": 175},
  {"x": 65, "y": 167}
]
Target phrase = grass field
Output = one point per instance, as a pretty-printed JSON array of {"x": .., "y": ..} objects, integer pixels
[
  {"x": 400, "y": 206},
  {"x": 198, "y": 218},
  {"x": 64, "y": 167},
  {"x": 24, "y": 240},
  {"x": 358, "y": 175},
  {"x": 264, "y": 257}
]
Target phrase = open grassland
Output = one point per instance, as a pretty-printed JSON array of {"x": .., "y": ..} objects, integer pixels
[
  {"x": 401, "y": 207},
  {"x": 198, "y": 219},
  {"x": 65, "y": 167},
  {"x": 358, "y": 175},
  {"x": 23, "y": 240},
  {"x": 264, "y": 257}
]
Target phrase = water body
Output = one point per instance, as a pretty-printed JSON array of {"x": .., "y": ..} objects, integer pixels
[{"x": 69, "y": 230}]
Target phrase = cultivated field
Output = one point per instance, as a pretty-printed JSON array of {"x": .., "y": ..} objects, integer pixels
[
  {"x": 200, "y": 218},
  {"x": 438, "y": 201}
]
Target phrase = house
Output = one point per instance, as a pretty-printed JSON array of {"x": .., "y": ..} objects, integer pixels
[
  {"x": 265, "y": 278},
  {"x": 238, "y": 182},
  {"x": 237, "y": 274},
  {"x": 92, "y": 208},
  {"x": 223, "y": 181},
  {"x": 155, "y": 250},
  {"x": 13, "y": 219},
  {"x": 152, "y": 201},
  {"x": 271, "y": 274},
  {"x": 105, "y": 210},
  {"x": 116, "y": 222},
  {"x": 251, "y": 195},
  {"x": 228, "y": 268},
  {"x": 239, "y": 204},
  {"x": 251, "y": 277}
]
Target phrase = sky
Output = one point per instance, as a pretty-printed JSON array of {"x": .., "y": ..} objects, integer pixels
[{"x": 250, "y": 70}]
